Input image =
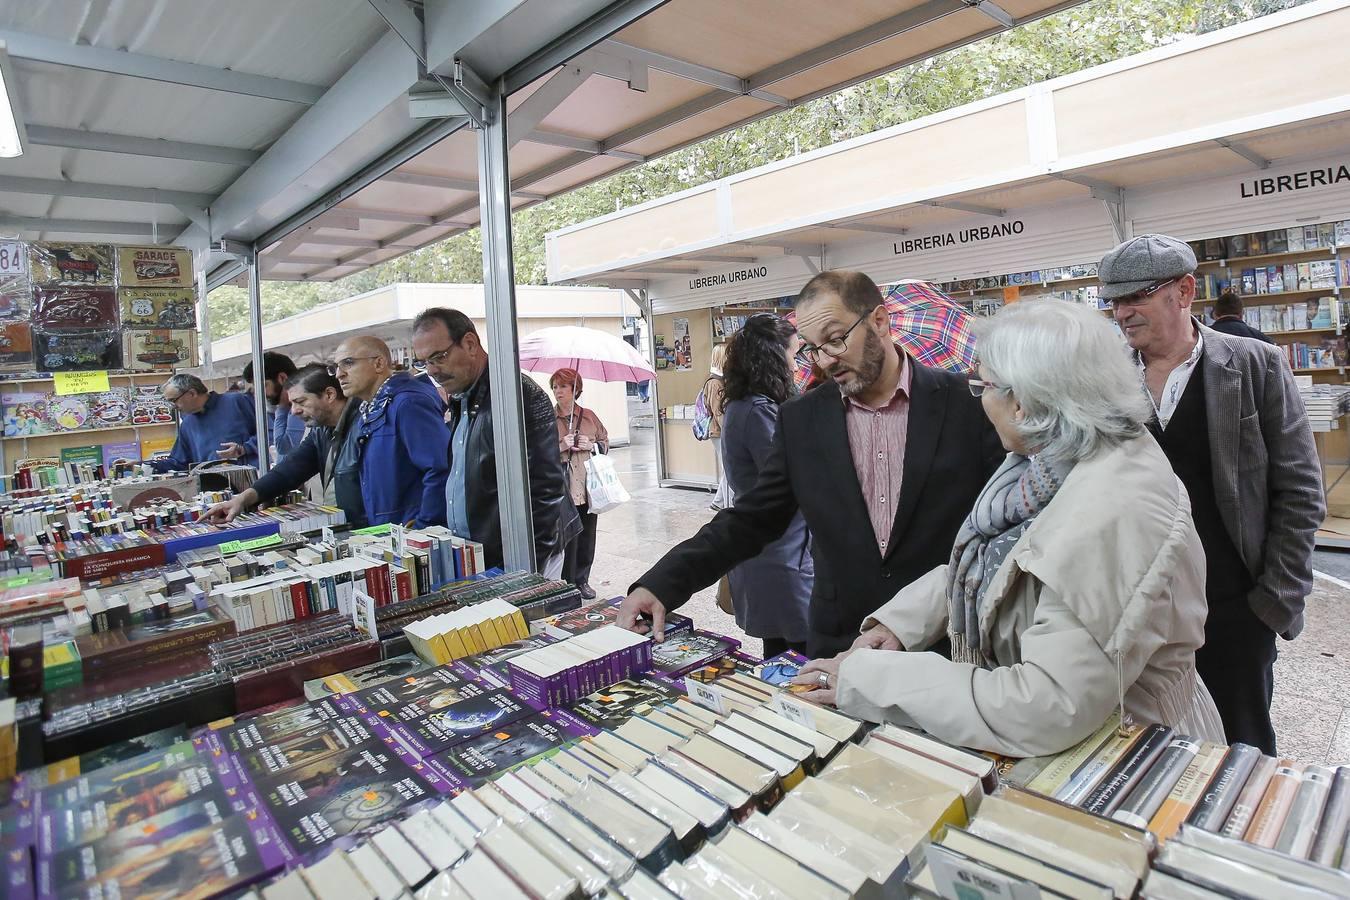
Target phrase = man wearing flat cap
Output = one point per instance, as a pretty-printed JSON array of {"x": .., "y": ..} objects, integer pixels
[{"x": 1229, "y": 417}]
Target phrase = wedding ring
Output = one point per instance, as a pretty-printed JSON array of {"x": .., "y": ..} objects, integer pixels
[{"x": 824, "y": 679}]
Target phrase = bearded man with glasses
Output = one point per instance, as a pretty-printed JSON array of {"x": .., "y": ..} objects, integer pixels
[
  {"x": 884, "y": 460},
  {"x": 1227, "y": 413}
]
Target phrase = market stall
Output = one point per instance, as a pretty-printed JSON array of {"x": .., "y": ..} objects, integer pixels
[{"x": 1019, "y": 195}]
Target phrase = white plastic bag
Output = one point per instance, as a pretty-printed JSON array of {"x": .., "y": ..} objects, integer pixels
[{"x": 603, "y": 487}]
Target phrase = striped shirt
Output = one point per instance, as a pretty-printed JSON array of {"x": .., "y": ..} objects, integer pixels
[{"x": 876, "y": 438}]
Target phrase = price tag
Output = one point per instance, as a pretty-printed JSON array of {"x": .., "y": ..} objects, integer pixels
[
  {"x": 400, "y": 539},
  {"x": 80, "y": 382},
  {"x": 326, "y": 535},
  {"x": 13, "y": 258},
  {"x": 793, "y": 711},
  {"x": 363, "y": 613},
  {"x": 957, "y": 876},
  {"x": 705, "y": 695}
]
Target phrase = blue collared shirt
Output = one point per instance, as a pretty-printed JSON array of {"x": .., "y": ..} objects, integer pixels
[
  {"x": 285, "y": 430},
  {"x": 225, "y": 419},
  {"x": 456, "y": 503}
]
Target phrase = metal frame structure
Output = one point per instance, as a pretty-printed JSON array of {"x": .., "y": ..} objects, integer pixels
[{"x": 456, "y": 63}]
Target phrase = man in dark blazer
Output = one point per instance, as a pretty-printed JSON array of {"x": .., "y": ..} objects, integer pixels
[
  {"x": 884, "y": 461},
  {"x": 1229, "y": 417}
]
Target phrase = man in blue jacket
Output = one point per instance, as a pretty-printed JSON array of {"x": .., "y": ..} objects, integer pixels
[
  {"x": 401, "y": 438},
  {"x": 285, "y": 428},
  {"x": 211, "y": 426}
]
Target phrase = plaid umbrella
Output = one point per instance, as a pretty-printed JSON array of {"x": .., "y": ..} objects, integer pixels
[{"x": 932, "y": 327}]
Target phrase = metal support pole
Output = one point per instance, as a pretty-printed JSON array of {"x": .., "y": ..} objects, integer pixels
[
  {"x": 259, "y": 374},
  {"x": 658, "y": 427},
  {"x": 499, "y": 291}
]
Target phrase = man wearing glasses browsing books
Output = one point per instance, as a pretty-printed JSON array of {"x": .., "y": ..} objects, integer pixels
[
  {"x": 1227, "y": 413},
  {"x": 883, "y": 460}
]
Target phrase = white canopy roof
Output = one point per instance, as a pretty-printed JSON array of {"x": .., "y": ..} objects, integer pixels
[
  {"x": 295, "y": 117},
  {"x": 1084, "y": 156}
]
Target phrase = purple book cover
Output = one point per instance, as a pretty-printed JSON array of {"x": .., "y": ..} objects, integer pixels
[
  {"x": 468, "y": 718},
  {"x": 19, "y": 874},
  {"x": 519, "y": 743}
]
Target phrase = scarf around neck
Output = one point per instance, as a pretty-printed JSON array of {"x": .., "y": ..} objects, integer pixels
[{"x": 1006, "y": 507}]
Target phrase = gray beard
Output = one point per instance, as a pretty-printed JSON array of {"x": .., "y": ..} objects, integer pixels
[{"x": 866, "y": 375}]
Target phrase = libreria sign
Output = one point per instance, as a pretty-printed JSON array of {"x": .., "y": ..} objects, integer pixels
[
  {"x": 972, "y": 235},
  {"x": 1299, "y": 181},
  {"x": 707, "y": 281}
]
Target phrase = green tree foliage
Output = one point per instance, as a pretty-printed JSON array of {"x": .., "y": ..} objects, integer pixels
[{"x": 1091, "y": 34}]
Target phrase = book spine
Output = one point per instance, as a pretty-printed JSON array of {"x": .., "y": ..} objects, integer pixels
[
  {"x": 1274, "y": 809},
  {"x": 1331, "y": 833},
  {"x": 1220, "y": 796},
  {"x": 1154, "y": 786},
  {"x": 1108, "y": 795},
  {"x": 1250, "y": 798},
  {"x": 1076, "y": 790},
  {"x": 1300, "y": 827},
  {"x": 1187, "y": 792},
  {"x": 1067, "y": 764}
]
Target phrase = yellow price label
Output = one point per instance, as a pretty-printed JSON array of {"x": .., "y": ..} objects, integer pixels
[{"x": 80, "y": 382}]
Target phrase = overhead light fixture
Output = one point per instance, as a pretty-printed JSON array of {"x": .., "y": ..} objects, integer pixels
[{"x": 12, "y": 132}]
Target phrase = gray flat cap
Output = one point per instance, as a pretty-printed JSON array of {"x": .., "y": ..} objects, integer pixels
[{"x": 1141, "y": 262}]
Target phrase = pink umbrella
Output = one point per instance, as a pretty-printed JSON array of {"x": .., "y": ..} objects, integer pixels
[{"x": 595, "y": 355}]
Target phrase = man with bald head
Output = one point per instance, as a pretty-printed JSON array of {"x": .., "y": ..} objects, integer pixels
[{"x": 399, "y": 441}]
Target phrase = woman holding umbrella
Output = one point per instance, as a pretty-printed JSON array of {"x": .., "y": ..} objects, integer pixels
[{"x": 580, "y": 433}]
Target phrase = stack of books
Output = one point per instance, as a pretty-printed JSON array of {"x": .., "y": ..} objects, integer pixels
[
  {"x": 1325, "y": 403},
  {"x": 561, "y": 673},
  {"x": 474, "y": 629}
]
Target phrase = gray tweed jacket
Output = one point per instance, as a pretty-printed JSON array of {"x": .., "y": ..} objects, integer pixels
[{"x": 1267, "y": 475}]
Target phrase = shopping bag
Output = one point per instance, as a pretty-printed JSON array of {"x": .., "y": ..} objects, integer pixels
[{"x": 603, "y": 487}]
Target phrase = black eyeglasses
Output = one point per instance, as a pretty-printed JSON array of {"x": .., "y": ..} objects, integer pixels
[
  {"x": 434, "y": 359},
  {"x": 346, "y": 365},
  {"x": 1140, "y": 296},
  {"x": 832, "y": 348}
]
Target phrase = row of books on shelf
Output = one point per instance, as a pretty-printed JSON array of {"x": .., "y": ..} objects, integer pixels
[
  {"x": 1277, "y": 279},
  {"x": 1327, "y": 354},
  {"x": 1032, "y": 277},
  {"x": 1322, "y": 313},
  {"x": 1325, "y": 403},
  {"x": 1301, "y": 238}
]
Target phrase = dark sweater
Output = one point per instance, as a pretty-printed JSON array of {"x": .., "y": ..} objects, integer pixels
[{"x": 1238, "y": 328}]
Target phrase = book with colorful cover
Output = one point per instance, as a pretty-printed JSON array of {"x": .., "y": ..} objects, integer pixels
[
  {"x": 74, "y": 791},
  {"x": 148, "y": 406},
  {"x": 129, "y": 801},
  {"x": 364, "y": 677},
  {"x": 354, "y": 789},
  {"x": 674, "y": 657},
  {"x": 120, "y": 450},
  {"x": 91, "y": 454},
  {"x": 25, "y": 413},
  {"x": 154, "y": 447},
  {"x": 121, "y": 751},
  {"x": 491, "y": 666},
  {"x": 302, "y": 748},
  {"x": 509, "y": 746},
  {"x": 619, "y": 702},
  {"x": 247, "y": 734},
  {"x": 460, "y": 721},
  {"x": 413, "y": 696},
  {"x": 201, "y": 862}
]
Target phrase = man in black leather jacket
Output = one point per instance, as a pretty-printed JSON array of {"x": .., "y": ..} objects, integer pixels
[{"x": 450, "y": 351}]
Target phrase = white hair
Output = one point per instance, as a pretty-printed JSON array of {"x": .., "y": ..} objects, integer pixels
[{"x": 1071, "y": 373}]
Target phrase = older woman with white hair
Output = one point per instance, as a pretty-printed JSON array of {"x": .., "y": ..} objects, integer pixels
[{"x": 1077, "y": 582}]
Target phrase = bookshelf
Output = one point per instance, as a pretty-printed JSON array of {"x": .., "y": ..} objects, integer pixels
[
  {"x": 21, "y": 446},
  {"x": 728, "y": 319}
]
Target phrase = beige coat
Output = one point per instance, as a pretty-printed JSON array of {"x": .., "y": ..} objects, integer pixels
[{"x": 1105, "y": 589}]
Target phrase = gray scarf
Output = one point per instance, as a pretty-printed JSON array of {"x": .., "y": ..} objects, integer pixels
[{"x": 1010, "y": 501}]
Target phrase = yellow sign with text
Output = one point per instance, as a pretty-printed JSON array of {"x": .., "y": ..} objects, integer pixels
[{"x": 80, "y": 382}]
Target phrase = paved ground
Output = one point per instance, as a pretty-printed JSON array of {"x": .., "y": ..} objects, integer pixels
[{"x": 1312, "y": 702}]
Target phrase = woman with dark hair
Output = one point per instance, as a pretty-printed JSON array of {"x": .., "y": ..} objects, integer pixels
[{"x": 770, "y": 593}]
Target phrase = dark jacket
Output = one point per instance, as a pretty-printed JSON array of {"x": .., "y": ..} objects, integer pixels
[
  {"x": 1267, "y": 475},
  {"x": 771, "y": 592},
  {"x": 951, "y": 450},
  {"x": 1238, "y": 328},
  {"x": 548, "y": 486},
  {"x": 312, "y": 457},
  {"x": 403, "y": 443}
]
